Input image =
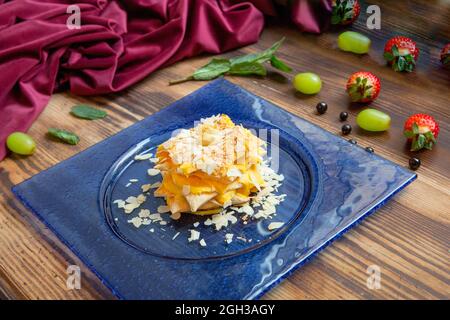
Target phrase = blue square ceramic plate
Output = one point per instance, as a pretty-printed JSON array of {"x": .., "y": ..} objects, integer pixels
[{"x": 330, "y": 186}]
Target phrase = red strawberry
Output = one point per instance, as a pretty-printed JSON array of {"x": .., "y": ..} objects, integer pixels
[
  {"x": 344, "y": 11},
  {"x": 421, "y": 130},
  {"x": 401, "y": 53},
  {"x": 363, "y": 86},
  {"x": 445, "y": 54}
]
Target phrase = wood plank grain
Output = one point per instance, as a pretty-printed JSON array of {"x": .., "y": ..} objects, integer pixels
[{"x": 408, "y": 238}]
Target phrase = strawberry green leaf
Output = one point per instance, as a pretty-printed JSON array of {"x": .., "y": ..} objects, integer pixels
[
  {"x": 446, "y": 59},
  {"x": 388, "y": 56},
  {"x": 430, "y": 136},
  {"x": 395, "y": 52},
  {"x": 415, "y": 128}
]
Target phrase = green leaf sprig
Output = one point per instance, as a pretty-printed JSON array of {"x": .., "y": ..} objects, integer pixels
[
  {"x": 249, "y": 64},
  {"x": 84, "y": 111},
  {"x": 64, "y": 136}
]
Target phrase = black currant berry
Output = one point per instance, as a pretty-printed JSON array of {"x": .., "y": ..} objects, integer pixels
[
  {"x": 414, "y": 163},
  {"x": 321, "y": 107},
  {"x": 346, "y": 129},
  {"x": 343, "y": 116}
]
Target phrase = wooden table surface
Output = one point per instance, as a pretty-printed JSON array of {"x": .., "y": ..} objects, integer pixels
[{"x": 408, "y": 238}]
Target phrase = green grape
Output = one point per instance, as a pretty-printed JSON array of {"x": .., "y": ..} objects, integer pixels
[
  {"x": 373, "y": 120},
  {"x": 20, "y": 143},
  {"x": 354, "y": 42},
  {"x": 307, "y": 83}
]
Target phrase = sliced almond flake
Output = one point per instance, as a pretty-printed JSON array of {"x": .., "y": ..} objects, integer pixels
[
  {"x": 195, "y": 235},
  {"x": 203, "y": 243},
  {"x": 242, "y": 239},
  {"x": 228, "y": 203},
  {"x": 144, "y": 213},
  {"x": 163, "y": 223},
  {"x": 175, "y": 236},
  {"x": 120, "y": 203},
  {"x": 275, "y": 225},
  {"x": 133, "y": 180},
  {"x": 141, "y": 198},
  {"x": 129, "y": 207},
  {"x": 163, "y": 209},
  {"x": 152, "y": 230},
  {"x": 131, "y": 199},
  {"x": 229, "y": 238},
  {"x": 146, "y": 187},
  {"x": 153, "y": 160},
  {"x": 247, "y": 210},
  {"x": 128, "y": 184},
  {"x": 141, "y": 157},
  {"x": 153, "y": 172},
  {"x": 155, "y": 217},
  {"x": 253, "y": 180},
  {"x": 221, "y": 220},
  {"x": 196, "y": 224},
  {"x": 136, "y": 221}
]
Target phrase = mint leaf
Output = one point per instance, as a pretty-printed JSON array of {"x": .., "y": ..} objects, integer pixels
[
  {"x": 63, "y": 135},
  {"x": 242, "y": 65},
  {"x": 280, "y": 65},
  {"x": 248, "y": 68},
  {"x": 84, "y": 111},
  {"x": 261, "y": 57},
  {"x": 213, "y": 69}
]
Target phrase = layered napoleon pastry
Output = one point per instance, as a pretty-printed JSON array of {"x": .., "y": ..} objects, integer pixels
[{"x": 214, "y": 165}]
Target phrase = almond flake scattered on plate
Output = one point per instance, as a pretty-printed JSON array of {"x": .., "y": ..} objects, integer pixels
[
  {"x": 229, "y": 238},
  {"x": 275, "y": 225},
  {"x": 136, "y": 221},
  {"x": 153, "y": 172},
  {"x": 203, "y": 243},
  {"x": 144, "y": 213},
  {"x": 195, "y": 235},
  {"x": 141, "y": 157}
]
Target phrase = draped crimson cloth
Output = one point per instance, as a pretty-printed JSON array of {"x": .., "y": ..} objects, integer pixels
[{"x": 119, "y": 43}]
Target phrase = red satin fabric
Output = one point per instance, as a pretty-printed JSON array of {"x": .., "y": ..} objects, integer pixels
[{"x": 119, "y": 43}]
